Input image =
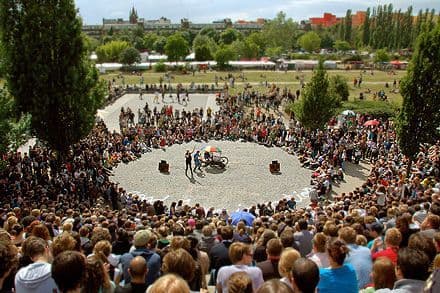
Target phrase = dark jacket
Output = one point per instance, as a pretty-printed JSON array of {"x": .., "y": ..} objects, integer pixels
[
  {"x": 269, "y": 269},
  {"x": 153, "y": 264},
  {"x": 206, "y": 243},
  {"x": 219, "y": 255},
  {"x": 132, "y": 288}
]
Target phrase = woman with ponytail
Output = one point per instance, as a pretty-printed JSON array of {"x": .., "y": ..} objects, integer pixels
[{"x": 339, "y": 277}]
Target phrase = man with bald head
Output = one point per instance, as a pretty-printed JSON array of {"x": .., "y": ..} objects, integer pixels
[{"x": 138, "y": 271}]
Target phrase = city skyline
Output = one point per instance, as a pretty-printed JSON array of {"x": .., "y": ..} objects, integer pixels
[{"x": 92, "y": 12}]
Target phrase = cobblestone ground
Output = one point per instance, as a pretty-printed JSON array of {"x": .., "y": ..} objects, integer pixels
[{"x": 245, "y": 181}]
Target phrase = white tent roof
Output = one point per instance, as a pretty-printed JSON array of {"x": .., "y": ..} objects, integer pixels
[
  {"x": 191, "y": 56},
  {"x": 251, "y": 63},
  {"x": 157, "y": 57}
]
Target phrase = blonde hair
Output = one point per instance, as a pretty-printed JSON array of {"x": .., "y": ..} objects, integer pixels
[
  {"x": 102, "y": 250},
  {"x": 10, "y": 222},
  {"x": 67, "y": 227},
  {"x": 288, "y": 257},
  {"x": 361, "y": 240},
  {"x": 320, "y": 241},
  {"x": 240, "y": 282},
  {"x": 393, "y": 237},
  {"x": 169, "y": 283},
  {"x": 238, "y": 250},
  {"x": 437, "y": 262}
]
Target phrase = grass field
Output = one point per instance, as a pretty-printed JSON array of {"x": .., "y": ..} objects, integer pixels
[
  {"x": 290, "y": 79},
  {"x": 254, "y": 76}
]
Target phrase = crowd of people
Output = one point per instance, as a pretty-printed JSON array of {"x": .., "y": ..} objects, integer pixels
[{"x": 70, "y": 229}]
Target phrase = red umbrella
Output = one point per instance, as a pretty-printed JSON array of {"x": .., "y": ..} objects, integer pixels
[{"x": 373, "y": 122}]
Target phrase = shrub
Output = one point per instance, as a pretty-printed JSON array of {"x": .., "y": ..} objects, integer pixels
[
  {"x": 339, "y": 86},
  {"x": 160, "y": 67}
]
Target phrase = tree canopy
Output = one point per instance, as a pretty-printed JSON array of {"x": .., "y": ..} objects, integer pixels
[
  {"x": 419, "y": 118},
  {"x": 176, "y": 47},
  {"x": 111, "y": 51},
  {"x": 318, "y": 103},
  {"x": 13, "y": 132},
  {"x": 204, "y": 47},
  {"x": 281, "y": 32},
  {"x": 310, "y": 41},
  {"x": 129, "y": 56},
  {"x": 48, "y": 71},
  {"x": 223, "y": 55},
  {"x": 229, "y": 36},
  {"x": 381, "y": 56},
  {"x": 342, "y": 45}
]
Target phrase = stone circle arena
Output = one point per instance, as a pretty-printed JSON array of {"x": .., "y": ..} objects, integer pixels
[{"x": 245, "y": 181}]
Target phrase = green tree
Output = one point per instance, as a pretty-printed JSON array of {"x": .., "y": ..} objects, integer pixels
[
  {"x": 176, "y": 47},
  {"x": 13, "y": 132},
  {"x": 90, "y": 43},
  {"x": 2, "y": 60},
  {"x": 149, "y": 40},
  {"x": 310, "y": 41},
  {"x": 419, "y": 117},
  {"x": 160, "y": 67},
  {"x": 381, "y": 56},
  {"x": 223, "y": 55},
  {"x": 159, "y": 44},
  {"x": 129, "y": 56},
  {"x": 48, "y": 71},
  {"x": 366, "y": 28},
  {"x": 280, "y": 32},
  {"x": 342, "y": 46},
  {"x": 327, "y": 40},
  {"x": 274, "y": 52},
  {"x": 339, "y": 86},
  {"x": 246, "y": 49},
  {"x": 348, "y": 26},
  {"x": 204, "y": 47},
  {"x": 111, "y": 51},
  {"x": 229, "y": 36},
  {"x": 259, "y": 39},
  {"x": 318, "y": 103},
  {"x": 210, "y": 32}
]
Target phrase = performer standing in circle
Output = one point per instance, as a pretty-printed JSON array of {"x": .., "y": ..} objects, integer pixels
[
  {"x": 197, "y": 162},
  {"x": 188, "y": 158}
]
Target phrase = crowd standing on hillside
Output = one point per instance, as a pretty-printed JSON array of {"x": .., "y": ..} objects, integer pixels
[{"x": 69, "y": 228}]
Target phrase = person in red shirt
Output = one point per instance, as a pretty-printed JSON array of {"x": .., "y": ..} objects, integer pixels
[{"x": 393, "y": 237}]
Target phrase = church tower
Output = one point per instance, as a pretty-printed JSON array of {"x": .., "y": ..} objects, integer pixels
[{"x": 133, "y": 18}]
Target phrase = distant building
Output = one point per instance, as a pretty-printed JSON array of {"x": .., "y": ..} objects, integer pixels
[
  {"x": 326, "y": 20},
  {"x": 118, "y": 24},
  {"x": 358, "y": 19},
  {"x": 133, "y": 18},
  {"x": 329, "y": 19}
]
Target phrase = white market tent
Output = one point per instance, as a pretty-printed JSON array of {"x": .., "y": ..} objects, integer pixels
[
  {"x": 309, "y": 64},
  {"x": 104, "y": 67},
  {"x": 252, "y": 64},
  {"x": 190, "y": 57},
  {"x": 153, "y": 58}
]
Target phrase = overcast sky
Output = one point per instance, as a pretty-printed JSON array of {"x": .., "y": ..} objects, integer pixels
[{"x": 203, "y": 11}]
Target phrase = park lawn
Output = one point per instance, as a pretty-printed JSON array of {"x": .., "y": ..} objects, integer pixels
[
  {"x": 251, "y": 76},
  {"x": 257, "y": 79}
]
